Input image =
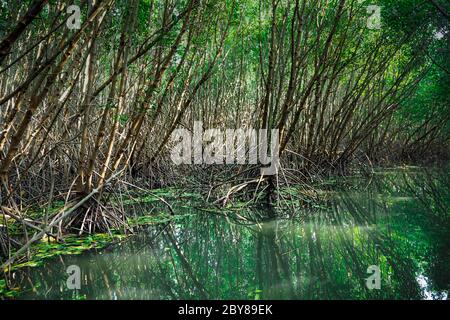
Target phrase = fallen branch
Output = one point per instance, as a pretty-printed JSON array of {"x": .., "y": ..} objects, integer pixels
[{"x": 152, "y": 194}]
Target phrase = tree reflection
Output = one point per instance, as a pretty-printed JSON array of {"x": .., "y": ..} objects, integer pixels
[{"x": 390, "y": 222}]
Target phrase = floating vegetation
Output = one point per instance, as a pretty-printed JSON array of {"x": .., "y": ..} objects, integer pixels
[{"x": 70, "y": 244}]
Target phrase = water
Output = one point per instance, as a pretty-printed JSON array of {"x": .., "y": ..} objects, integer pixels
[{"x": 398, "y": 220}]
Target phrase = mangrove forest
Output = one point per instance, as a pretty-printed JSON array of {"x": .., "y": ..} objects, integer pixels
[{"x": 224, "y": 149}]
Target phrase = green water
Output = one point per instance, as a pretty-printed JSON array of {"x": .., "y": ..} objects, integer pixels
[{"x": 397, "y": 219}]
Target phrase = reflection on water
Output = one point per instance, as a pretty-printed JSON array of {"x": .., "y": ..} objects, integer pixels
[{"x": 398, "y": 220}]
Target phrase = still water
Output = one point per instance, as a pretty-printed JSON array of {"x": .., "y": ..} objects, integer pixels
[{"x": 397, "y": 220}]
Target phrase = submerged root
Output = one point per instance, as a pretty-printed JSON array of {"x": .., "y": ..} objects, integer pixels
[{"x": 95, "y": 218}]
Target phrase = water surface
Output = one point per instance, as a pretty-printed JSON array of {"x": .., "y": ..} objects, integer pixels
[{"x": 397, "y": 219}]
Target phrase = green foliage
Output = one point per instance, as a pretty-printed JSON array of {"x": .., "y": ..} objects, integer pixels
[
  {"x": 430, "y": 102},
  {"x": 5, "y": 292},
  {"x": 70, "y": 245}
]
